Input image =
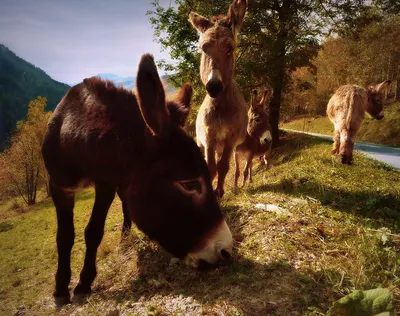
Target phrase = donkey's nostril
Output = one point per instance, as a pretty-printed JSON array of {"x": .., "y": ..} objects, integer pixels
[
  {"x": 214, "y": 87},
  {"x": 379, "y": 117},
  {"x": 225, "y": 255}
]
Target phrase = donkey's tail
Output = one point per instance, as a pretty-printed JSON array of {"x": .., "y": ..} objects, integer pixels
[{"x": 351, "y": 104}]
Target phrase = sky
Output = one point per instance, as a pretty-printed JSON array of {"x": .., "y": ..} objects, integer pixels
[{"x": 75, "y": 39}]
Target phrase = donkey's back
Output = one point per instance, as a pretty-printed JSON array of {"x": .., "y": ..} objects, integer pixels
[{"x": 93, "y": 130}]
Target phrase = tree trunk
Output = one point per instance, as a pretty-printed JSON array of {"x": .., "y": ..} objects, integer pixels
[{"x": 279, "y": 77}]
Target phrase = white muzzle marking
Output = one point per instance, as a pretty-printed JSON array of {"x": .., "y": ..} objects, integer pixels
[
  {"x": 215, "y": 75},
  {"x": 266, "y": 136},
  {"x": 221, "y": 239}
]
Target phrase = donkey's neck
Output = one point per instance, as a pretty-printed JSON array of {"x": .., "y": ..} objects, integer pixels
[{"x": 230, "y": 96}]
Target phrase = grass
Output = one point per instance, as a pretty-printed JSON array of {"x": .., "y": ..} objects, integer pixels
[
  {"x": 339, "y": 231},
  {"x": 386, "y": 131}
]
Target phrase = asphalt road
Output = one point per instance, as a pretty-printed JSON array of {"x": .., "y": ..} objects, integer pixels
[{"x": 389, "y": 155}]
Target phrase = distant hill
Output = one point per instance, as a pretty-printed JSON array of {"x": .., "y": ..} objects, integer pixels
[
  {"x": 126, "y": 82},
  {"x": 21, "y": 82},
  {"x": 130, "y": 82}
]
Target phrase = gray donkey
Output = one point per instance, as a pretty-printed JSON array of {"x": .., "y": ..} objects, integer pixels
[
  {"x": 222, "y": 119},
  {"x": 258, "y": 142}
]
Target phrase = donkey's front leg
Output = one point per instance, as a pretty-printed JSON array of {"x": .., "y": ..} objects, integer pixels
[
  {"x": 237, "y": 169},
  {"x": 247, "y": 168},
  {"x": 210, "y": 158},
  {"x": 223, "y": 168},
  {"x": 64, "y": 203},
  {"x": 93, "y": 234}
]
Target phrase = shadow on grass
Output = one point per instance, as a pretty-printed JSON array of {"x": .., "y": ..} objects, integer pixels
[
  {"x": 255, "y": 289},
  {"x": 6, "y": 226},
  {"x": 275, "y": 288}
]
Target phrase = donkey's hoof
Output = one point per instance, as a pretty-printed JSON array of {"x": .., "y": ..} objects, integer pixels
[
  {"x": 60, "y": 301},
  {"x": 346, "y": 160},
  {"x": 80, "y": 298}
]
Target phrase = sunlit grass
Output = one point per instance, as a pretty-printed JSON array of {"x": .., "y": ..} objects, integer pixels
[{"x": 339, "y": 231}]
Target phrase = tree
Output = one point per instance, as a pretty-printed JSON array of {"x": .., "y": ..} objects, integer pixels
[
  {"x": 22, "y": 163},
  {"x": 278, "y": 37}
]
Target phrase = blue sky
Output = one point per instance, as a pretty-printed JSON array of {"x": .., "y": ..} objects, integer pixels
[{"x": 74, "y": 39}]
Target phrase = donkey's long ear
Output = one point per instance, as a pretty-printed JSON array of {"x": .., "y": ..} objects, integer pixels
[
  {"x": 199, "y": 22},
  {"x": 152, "y": 97},
  {"x": 179, "y": 106},
  {"x": 235, "y": 16},
  {"x": 264, "y": 100},
  {"x": 254, "y": 99},
  {"x": 383, "y": 86}
]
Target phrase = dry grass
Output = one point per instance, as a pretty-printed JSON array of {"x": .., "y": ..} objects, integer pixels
[{"x": 338, "y": 231}]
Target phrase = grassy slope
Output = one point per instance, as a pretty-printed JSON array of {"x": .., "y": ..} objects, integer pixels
[
  {"x": 385, "y": 132},
  {"x": 335, "y": 239}
]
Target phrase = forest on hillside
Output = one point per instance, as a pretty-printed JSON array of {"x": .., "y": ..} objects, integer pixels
[
  {"x": 20, "y": 83},
  {"x": 302, "y": 50}
]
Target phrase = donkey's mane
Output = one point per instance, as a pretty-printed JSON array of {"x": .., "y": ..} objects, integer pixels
[{"x": 106, "y": 92}]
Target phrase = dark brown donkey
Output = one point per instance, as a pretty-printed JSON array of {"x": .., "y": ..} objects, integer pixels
[
  {"x": 120, "y": 142},
  {"x": 178, "y": 107},
  {"x": 346, "y": 109},
  {"x": 222, "y": 119},
  {"x": 258, "y": 142}
]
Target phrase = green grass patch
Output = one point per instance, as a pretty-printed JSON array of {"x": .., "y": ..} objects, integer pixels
[
  {"x": 338, "y": 231},
  {"x": 386, "y": 131}
]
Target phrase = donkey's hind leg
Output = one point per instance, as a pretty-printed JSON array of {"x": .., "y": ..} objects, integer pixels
[
  {"x": 336, "y": 142},
  {"x": 93, "y": 234},
  {"x": 64, "y": 203},
  {"x": 127, "y": 224},
  {"x": 346, "y": 147}
]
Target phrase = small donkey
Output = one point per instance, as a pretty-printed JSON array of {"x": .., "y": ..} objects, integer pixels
[
  {"x": 346, "y": 109},
  {"x": 258, "y": 142},
  {"x": 222, "y": 119}
]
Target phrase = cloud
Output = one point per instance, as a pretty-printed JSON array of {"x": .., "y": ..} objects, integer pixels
[{"x": 75, "y": 39}]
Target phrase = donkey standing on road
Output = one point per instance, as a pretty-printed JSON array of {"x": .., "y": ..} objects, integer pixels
[
  {"x": 258, "y": 142},
  {"x": 222, "y": 119},
  {"x": 129, "y": 144},
  {"x": 346, "y": 109}
]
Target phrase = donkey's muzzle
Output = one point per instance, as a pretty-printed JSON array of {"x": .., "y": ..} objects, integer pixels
[
  {"x": 214, "y": 87},
  {"x": 379, "y": 117}
]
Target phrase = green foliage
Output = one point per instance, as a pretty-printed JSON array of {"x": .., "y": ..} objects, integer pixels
[
  {"x": 22, "y": 169},
  {"x": 364, "y": 303},
  {"x": 21, "y": 82},
  {"x": 277, "y": 38}
]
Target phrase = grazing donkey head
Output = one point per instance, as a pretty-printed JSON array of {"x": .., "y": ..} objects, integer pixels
[
  {"x": 258, "y": 126},
  {"x": 218, "y": 42},
  {"x": 346, "y": 109},
  {"x": 376, "y": 98},
  {"x": 132, "y": 144}
]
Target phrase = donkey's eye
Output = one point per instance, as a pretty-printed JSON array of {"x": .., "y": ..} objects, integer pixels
[
  {"x": 230, "y": 50},
  {"x": 258, "y": 120},
  {"x": 191, "y": 185},
  {"x": 206, "y": 47}
]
